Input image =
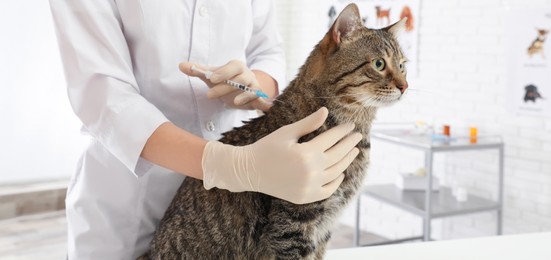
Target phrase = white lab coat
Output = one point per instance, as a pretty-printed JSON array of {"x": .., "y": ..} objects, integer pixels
[{"x": 121, "y": 64}]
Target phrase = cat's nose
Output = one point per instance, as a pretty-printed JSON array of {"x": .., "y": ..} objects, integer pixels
[{"x": 402, "y": 88}]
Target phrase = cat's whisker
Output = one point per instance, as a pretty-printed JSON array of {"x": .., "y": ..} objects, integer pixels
[
  {"x": 282, "y": 102},
  {"x": 370, "y": 100},
  {"x": 344, "y": 95},
  {"x": 358, "y": 110}
]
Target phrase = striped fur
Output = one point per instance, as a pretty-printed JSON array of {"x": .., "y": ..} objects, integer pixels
[{"x": 339, "y": 75}]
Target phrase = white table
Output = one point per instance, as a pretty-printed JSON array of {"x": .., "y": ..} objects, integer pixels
[{"x": 534, "y": 246}]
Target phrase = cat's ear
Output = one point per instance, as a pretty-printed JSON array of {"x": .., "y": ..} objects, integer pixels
[
  {"x": 397, "y": 27},
  {"x": 348, "y": 22}
]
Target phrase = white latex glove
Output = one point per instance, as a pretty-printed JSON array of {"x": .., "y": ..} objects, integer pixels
[
  {"x": 232, "y": 97},
  {"x": 279, "y": 166}
]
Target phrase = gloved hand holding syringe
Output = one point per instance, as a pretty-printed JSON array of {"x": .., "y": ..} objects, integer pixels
[{"x": 234, "y": 84}]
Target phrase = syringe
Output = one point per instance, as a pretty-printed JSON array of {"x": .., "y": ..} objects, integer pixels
[{"x": 232, "y": 83}]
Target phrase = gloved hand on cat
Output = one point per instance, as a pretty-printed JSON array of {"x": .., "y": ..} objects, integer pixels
[
  {"x": 231, "y": 96},
  {"x": 279, "y": 166}
]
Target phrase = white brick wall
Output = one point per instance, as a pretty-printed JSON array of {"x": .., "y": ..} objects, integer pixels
[{"x": 462, "y": 58}]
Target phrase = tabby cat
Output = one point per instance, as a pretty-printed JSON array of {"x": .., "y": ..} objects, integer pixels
[{"x": 352, "y": 71}]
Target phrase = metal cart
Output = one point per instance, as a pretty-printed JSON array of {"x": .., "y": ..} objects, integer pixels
[{"x": 431, "y": 205}]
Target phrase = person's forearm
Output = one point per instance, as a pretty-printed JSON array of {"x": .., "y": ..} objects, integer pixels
[
  {"x": 267, "y": 83},
  {"x": 175, "y": 149}
]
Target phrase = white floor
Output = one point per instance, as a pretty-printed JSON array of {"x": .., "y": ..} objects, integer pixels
[{"x": 41, "y": 236}]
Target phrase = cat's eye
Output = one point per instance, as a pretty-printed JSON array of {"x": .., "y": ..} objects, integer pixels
[
  {"x": 378, "y": 64},
  {"x": 402, "y": 66}
]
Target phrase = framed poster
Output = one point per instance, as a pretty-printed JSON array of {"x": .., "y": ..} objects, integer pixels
[
  {"x": 378, "y": 14},
  {"x": 529, "y": 61}
]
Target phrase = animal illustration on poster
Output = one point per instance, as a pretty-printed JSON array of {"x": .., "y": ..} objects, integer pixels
[{"x": 528, "y": 67}]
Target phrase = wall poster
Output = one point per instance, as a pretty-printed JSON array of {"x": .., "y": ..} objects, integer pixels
[
  {"x": 381, "y": 13},
  {"x": 529, "y": 62}
]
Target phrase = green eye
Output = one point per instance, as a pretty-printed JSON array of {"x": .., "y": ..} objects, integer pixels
[
  {"x": 378, "y": 64},
  {"x": 402, "y": 67}
]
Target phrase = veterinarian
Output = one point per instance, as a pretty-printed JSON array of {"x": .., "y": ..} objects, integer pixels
[{"x": 148, "y": 121}]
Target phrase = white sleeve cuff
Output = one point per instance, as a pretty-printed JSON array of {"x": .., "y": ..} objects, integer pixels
[{"x": 127, "y": 132}]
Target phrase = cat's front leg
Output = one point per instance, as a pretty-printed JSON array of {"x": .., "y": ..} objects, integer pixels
[
  {"x": 291, "y": 229},
  {"x": 320, "y": 251}
]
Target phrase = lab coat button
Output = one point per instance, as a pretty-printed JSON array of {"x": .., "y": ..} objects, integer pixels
[
  {"x": 203, "y": 11},
  {"x": 210, "y": 126}
]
